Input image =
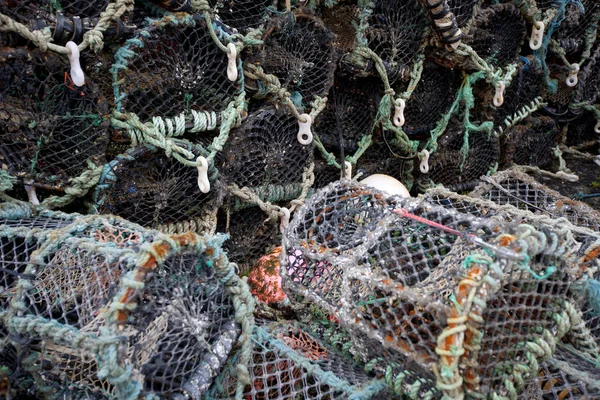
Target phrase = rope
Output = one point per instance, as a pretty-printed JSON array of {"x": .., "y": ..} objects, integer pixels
[{"x": 92, "y": 38}]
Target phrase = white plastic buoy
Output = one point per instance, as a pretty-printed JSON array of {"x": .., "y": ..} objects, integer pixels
[
  {"x": 499, "y": 96},
  {"x": 31, "y": 195},
  {"x": 399, "y": 113},
  {"x": 537, "y": 35},
  {"x": 203, "y": 182},
  {"x": 305, "y": 136},
  {"x": 386, "y": 183},
  {"x": 232, "y": 72},
  {"x": 572, "y": 79},
  {"x": 77, "y": 75}
]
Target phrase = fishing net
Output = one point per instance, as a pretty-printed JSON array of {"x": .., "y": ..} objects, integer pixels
[
  {"x": 251, "y": 235},
  {"x": 399, "y": 272},
  {"x": 341, "y": 21},
  {"x": 576, "y": 30},
  {"x": 265, "y": 151},
  {"x": 396, "y": 31},
  {"x": 432, "y": 98},
  {"x": 105, "y": 307},
  {"x": 24, "y": 12},
  {"x": 531, "y": 142},
  {"x": 146, "y": 187},
  {"x": 50, "y": 130},
  {"x": 522, "y": 191},
  {"x": 462, "y": 156},
  {"x": 383, "y": 157},
  {"x": 581, "y": 131},
  {"x": 287, "y": 362},
  {"x": 298, "y": 51},
  {"x": 243, "y": 14},
  {"x": 589, "y": 80},
  {"x": 173, "y": 74}
]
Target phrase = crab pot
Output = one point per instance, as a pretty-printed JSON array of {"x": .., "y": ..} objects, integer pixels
[
  {"x": 146, "y": 187},
  {"x": 101, "y": 298}
]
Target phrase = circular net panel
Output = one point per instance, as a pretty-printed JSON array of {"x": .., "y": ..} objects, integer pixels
[
  {"x": 243, "y": 14},
  {"x": 173, "y": 68},
  {"x": 432, "y": 98},
  {"x": 497, "y": 33},
  {"x": 298, "y": 50},
  {"x": 559, "y": 96},
  {"x": 289, "y": 363},
  {"x": 146, "y": 187},
  {"x": 25, "y": 11},
  {"x": 348, "y": 116},
  {"x": 341, "y": 19},
  {"x": 265, "y": 151},
  {"x": 250, "y": 235},
  {"x": 50, "y": 130},
  {"x": 531, "y": 142},
  {"x": 460, "y": 159},
  {"x": 573, "y": 33},
  {"x": 396, "y": 33}
]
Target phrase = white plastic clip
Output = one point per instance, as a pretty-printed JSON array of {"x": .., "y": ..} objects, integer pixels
[
  {"x": 232, "y": 72},
  {"x": 567, "y": 177},
  {"x": 31, "y": 195},
  {"x": 347, "y": 170},
  {"x": 597, "y": 160},
  {"x": 572, "y": 79},
  {"x": 424, "y": 166},
  {"x": 597, "y": 127},
  {"x": 537, "y": 35},
  {"x": 285, "y": 218},
  {"x": 305, "y": 136},
  {"x": 77, "y": 75},
  {"x": 499, "y": 96},
  {"x": 203, "y": 182},
  {"x": 399, "y": 114}
]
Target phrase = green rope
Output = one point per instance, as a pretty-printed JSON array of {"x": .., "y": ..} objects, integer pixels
[{"x": 6, "y": 181}]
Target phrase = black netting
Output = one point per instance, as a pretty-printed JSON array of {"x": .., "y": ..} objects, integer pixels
[
  {"x": 582, "y": 130},
  {"x": 588, "y": 86},
  {"x": 462, "y": 159},
  {"x": 462, "y": 10},
  {"x": 26, "y": 11},
  {"x": 432, "y": 98},
  {"x": 396, "y": 32},
  {"x": 531, "y": 142},
  {"x": 265, "y": 151},
  {"x": 348, "y": 116},
  {"x": 341, "y": 20},
  {"x": 250, "y": 235},
  {"x": 560, "y": 95},
  {"x": 149, "y": 188},
  {"x": 497, "y": 34},
  {"x": 299, "y": 51},
  {"x": 384, "y": 157},
  {"x": 572, "y": 34},
  {"x": 243, "y": 14},
  {"x": 324, "y": 173},
  {"x": 173, "y": 70},
  {"x": 50, "y": 130}
]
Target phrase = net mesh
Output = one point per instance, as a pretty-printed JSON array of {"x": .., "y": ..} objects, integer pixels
[
  {"x": 531, "y": 142},
  {"x": 173, "y": 330}
]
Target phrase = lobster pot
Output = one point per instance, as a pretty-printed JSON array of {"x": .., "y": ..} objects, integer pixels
[
  {"x": 580, "y": 132},
  {"x": 585, "y": 337},
  {"x": 50, "y": 132},
  {"x": 531, "y": 142},
  {"x": 396, "y": 33},
  {"x": 348, "y": 116},
  {"x": 384, "y": 157},
  {"x": 341, "y": 21},
  {"x": 461, "y": 159},
  {"x": 393, "y": 279},
  {"x": 587, "y": 89},
  {"x": 463, "y": 11},
  {"x": 299, "y": 52},
  {"x": 560, "y": 97},
  {"x": 288, "y": 363},
  {"x": 574, "y": 33},
  {"x": 174, "y": 68},
  {"x": 114, "y": 309},
  {"x": 265, "y": 151},
  {"x": 568, "y": 374},
  {"x": 28, "y": 11},
  {"x": 432, "y": 98},
  {"x": 523, "y": 92},
  {"x": 243, "y": 15},
  {"x": 522, "y": 191},
  {"x": 251, "y": 235},
  {"x": 149, "y": 188}
]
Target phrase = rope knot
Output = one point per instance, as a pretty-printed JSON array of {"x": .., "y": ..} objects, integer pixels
[
  {"x": 41, "y": 39},
  {"x": 95, "y": 39}
]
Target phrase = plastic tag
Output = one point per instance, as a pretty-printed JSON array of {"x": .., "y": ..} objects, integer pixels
[
  {"x": 305, "y": 136},
  {"x": 499, "y": 96},
  {"x": 285, "y": 218},
  {"x": 424, "y": 166},
  {"x": 203, "y": 182},
  {"x": 347, "y": 170},
  {"x": 77, "y": 75},
  {"x": 232, "y": 72},
  {"x": 399, "y": 114},
  {"x": 572, "y": 79},
  {"x": 537, "y": 35},
  {"x": 31, "y": 195}
]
